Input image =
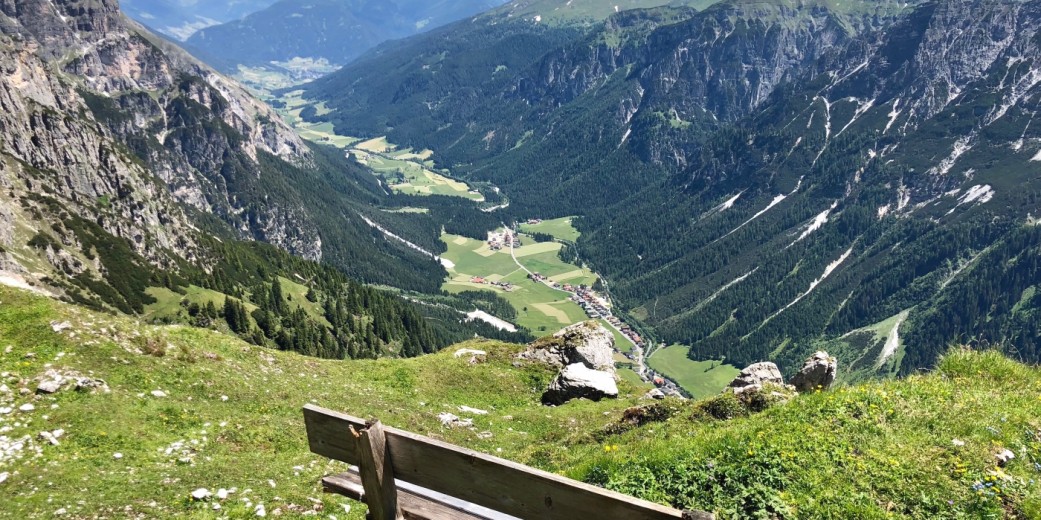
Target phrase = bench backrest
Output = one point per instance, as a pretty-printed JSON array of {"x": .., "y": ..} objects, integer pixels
[{"x": 495, "y": 483}]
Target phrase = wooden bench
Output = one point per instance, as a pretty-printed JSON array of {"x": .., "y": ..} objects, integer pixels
[{"x": 403, "y": 475}]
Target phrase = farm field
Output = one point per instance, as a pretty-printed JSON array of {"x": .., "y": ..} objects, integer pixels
[
  {"x": 408, "y": 171},
  {"x": 699, "y": 378},
  {"x": 541, "y": 309},
  {"x": 559, "y": 228}
]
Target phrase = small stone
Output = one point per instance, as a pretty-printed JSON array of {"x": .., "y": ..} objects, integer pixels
[
  {"x": 117, "y": 455},
  {"x": 60, "y": 512},
  {"x": 201, "y": 494},
  {"x": 958, "y": 442},
  {"x": 4, "y": 389},
  {"x": 260, "y": 511},
  {"x": 51, "y": 386},
  {"x": 158, "y": 393},
  {"x": 58, "y": 328},
  {"x": 6, "y": 410},
  {"x": 1004, "y": 457},
  {"x": 475, "y": 411},
  {"x": 655, "y": 394},
  {"x": 27, "y": 407},
  {"x": 222, "y": 494},
  {"x": 4, "y": 476},
  {"x": 24, "y": 391},
  {"x": 223, "y": 398}
]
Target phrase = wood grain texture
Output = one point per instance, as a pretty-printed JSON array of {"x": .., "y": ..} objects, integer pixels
[
  {"x": 377, "y": 474},
  {"x": 485, "y": 480}
]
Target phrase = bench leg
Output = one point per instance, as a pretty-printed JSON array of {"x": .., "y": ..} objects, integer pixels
[{"x": 377, "y": 474}]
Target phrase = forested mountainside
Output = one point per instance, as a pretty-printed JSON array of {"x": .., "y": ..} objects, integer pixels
[
  {"x": 756, "y": 177},
  {"x": 181, "y": 18},
  {"x": 331, "y": 31},
  {"x": 131, "y": 174}
]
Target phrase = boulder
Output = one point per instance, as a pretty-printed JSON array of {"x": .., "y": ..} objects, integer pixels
[
  {"x": 579, "y": 381},
  {"x": 755, "y": 376},
  {"x": 656, "y": 394},
  {"x": 818, "y": 372},
  {"x": 588, "y": 343},
  {"x": 49, "y": 386}
]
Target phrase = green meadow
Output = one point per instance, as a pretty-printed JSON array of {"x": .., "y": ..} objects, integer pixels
[{"x": 699, "y": 378}]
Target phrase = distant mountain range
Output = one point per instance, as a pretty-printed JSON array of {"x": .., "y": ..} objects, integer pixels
[
  {"x": 331, "y": 32},
  {"x": 180, "y": 19},
  {"x": 756, "y": 179}
]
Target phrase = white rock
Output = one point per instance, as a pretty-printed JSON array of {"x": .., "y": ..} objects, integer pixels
[
  {"x": 475, "y": 411},
  {"x": 578, "y": 380},
  {"x": 59, "y": 327},
  {"x": 271, "y": 483},
  {"x": 27, "y": 407},
  {"x": 223, "y": 398},
  {"x": 60, "y": 512},
  {"x": 117, "y": 455},
  {"x": 51, "y": 386},
  {"x": 4, "y": 476},
  {"x": 1004, "y": 457},
  {"x": 469, "y": 351},
  {"x": 958, "y": 442},
  {"x": 260, "y": 511},
  {"x": 4, "y": 389},
  {"x": 158, "y": 393},
  {"x": 6, "y": 410},
  {"x": 222, "y": 494},
  {"x": 201, "y": 494}
]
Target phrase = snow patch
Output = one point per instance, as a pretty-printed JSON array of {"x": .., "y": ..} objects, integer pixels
[
  {"x": 827, "y": 272},
  {"x": 817, "y": 223},
  {"x": 961, "y": 146},
  {"x": 982, "y": 193},
  {"x": 892, "y": 342},
  {"x": 491, "y": 320},
  {"x": 893, "y": 114}
]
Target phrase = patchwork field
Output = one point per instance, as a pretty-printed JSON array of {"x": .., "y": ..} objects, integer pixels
[
  {"x": 407, "y": 171},
  {"x": 560, "y": 228},
  {"x": 540, "y": 308},
  {"x": 699, "y": 378}
]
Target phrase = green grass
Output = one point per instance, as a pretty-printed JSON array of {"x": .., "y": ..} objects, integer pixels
[
  {"x": 253, "y": 435},
  {"x": 540, "y": 308},
  {"x": 408, "y": 172},
  {"x": 168, "y": 303},
  {"x": 877, "y": 450},
  {"x": 699, "y": 378},
  {"x": 559, "y": 228},
  {"x": 621, "y": 342}
]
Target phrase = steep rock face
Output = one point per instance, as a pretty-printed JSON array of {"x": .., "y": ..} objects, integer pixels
[
  {"x": 188, "y": 123},
  {"x": 48, "y": 151}
]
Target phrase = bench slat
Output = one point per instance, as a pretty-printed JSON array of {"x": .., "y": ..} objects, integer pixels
[
  {"x": 416, "y": 502},
  {"x": 485, "y": 480}
]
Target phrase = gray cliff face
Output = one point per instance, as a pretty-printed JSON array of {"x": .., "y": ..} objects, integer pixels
[
  {"x": 188, "y": 124},
  {"x": 47, "y": 150}
]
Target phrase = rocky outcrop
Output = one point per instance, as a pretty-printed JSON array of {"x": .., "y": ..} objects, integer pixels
[
  {"x": 588, "y": 343},
  {"x": 755, "y": 376},
  {"x": 584, "y": 353},
  {"x": 817, "y": 374},
  {"x": 579, "y": 381}
]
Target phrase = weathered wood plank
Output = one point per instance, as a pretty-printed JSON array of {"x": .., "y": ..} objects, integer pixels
[
  {"x": 377, "y": 474},
  {"x": 416, "y": 503},
  {"x": 488, "y": 481}
]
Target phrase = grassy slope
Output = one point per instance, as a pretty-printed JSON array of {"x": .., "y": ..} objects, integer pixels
[
  {"x": 880, "y": 450},
  {"x": 255, "y": 435},
  {"x": 697, "y": 377},
  {"x": 560, "y": 228}
]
